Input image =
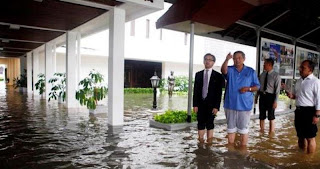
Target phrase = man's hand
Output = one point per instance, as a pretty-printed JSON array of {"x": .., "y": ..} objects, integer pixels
[
  {"x": 214, "y": 111},
  {"x": 274, "y": 106},
  {"x": 315, "y": 120},
  {"x": 289, "y": 94},
  {"x": 229, "y": 56},
  {"x": 195, "y": 109},
  {"x": 244, "y": 89}
]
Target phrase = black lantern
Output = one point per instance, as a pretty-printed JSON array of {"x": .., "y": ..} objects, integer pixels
[{"x": 154, "y": 83}]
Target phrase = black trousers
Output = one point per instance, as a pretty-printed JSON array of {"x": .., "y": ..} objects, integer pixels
[
  {"x": 303, "y": 122},
  {"x": 265, "y": 104},
  {"x": 204, "y": 116}
]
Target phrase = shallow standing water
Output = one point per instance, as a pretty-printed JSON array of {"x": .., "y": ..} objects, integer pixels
[{"x": 35, "y": 134}]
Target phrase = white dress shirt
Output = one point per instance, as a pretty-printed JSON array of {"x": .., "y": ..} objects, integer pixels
[{"x": 307, "y": 92}]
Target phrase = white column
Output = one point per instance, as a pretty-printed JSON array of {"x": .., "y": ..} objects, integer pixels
[
  {"x": 71, "y": 69},
  {"x": 54, "y": 58},
  {"x": 48, "y": 67},
  {"x": 35, "y": 71},
  {"x": 190, "y": 71},
  {"x": 116, "y": 67},
  {"x": 29, "y": 72}
]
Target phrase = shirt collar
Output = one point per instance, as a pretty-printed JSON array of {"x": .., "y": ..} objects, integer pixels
[
  {"x": 310, "y": 76},
  {"x": 210, "y": 69},
  {"x": 270, "y": 71}
]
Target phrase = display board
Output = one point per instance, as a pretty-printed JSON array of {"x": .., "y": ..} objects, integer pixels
[
  {"x": 281, "y": 53},
  {"x": 305, "y": 54}
]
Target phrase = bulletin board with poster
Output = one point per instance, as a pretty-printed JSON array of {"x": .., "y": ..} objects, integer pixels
[
  {"x": 304, "y": 54},
  {"x": 281, "y": 53}
]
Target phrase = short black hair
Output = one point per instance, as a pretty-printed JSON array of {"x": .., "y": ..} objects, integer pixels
[
  {"x": 209, "y": 54},
  {"x": 242, "y": 53},
  {"x": 270, "y": 60},
  {"x": 311, "y": 64}
]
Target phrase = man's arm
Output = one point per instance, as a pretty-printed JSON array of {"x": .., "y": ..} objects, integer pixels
[
  {"x": 224, "y": 67},
  {"x": 218, "y": 97},
  {"x": 277, "y": 88},
  {"x": 277, "y": 92},
  {"x": 195, "y": 94}
]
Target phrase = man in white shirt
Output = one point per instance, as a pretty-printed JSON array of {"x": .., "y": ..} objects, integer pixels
[{"x": 307, "y": 113}]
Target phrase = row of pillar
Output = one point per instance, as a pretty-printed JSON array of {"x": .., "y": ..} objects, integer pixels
[{"x": 73, "y": 67}]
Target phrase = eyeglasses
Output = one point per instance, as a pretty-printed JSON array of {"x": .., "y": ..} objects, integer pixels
[{"x": 208, "y": 59}]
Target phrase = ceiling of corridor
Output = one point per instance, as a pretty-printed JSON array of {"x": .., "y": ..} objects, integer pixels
[
  {"x": 28, "y": 24},
  {"x": 282, "y": 20}
]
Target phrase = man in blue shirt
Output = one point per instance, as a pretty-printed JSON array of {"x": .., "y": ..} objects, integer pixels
[{"x": 242, "y": 81}]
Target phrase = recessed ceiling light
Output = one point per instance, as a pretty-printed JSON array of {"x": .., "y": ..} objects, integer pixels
[
  {"x": 38, "y": 0},
  {"x": 5, "y": 41},
  {"x": 1, "y": 48}
]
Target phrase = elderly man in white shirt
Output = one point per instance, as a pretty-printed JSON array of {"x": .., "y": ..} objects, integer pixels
[{"x": 307, "y": 113}]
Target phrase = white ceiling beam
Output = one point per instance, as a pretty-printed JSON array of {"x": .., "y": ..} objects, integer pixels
[
  {"x": 254, "y": 26},
  {"x": 18, "y": 40},
  {"x": 274, "y": 19},
  {"x": 33, "y": 27},
  {"x": 16, "y": 48},
  {"x": 308, "y": 32},
  {"x": 89, "y": 4},
  {"x": 2, "y": 51}
]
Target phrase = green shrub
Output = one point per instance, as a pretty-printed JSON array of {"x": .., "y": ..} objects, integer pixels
[
  {"x": 175, "y": 116},
  {"x": 138, "y": 90}
]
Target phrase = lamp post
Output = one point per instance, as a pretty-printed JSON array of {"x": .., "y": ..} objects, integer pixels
[{"x": 154, "y": 83}]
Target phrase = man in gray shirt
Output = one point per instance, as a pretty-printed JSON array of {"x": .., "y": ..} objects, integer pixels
[{"x": 269, "y": 93}]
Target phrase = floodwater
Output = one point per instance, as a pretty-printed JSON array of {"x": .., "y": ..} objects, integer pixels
[{"x": 35, "y": 134}]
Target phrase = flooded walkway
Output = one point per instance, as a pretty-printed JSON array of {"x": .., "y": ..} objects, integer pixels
[{"x": 35, "y": 134}]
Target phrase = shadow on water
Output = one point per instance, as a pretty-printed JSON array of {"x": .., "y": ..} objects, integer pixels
[{"x": 36, "y": 134}]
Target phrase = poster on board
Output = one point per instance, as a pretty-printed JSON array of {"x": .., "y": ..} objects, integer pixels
[
  {"x": 305, "y": 54},
  {"x": 281, "y": 53}
]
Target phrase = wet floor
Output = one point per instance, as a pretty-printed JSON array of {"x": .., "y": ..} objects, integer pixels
[{"x": 34, "y": 134}]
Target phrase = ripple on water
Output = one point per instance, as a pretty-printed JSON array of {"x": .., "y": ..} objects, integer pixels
[{"x": 35, "y": 134}]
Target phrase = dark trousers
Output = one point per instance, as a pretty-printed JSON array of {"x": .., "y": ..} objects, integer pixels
[
  {"x": 303, "y": 122},
  {"x": 204, "y": 116},
  {"x": 265, "y": 104}
]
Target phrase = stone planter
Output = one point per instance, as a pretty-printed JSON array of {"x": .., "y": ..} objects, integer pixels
[{"x": 177, "y": 126}]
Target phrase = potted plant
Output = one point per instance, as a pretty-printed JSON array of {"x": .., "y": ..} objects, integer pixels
[
  {"x": 58, "y": 90},
  {"x": 91, "y": 90},
  {"x": 40, "y": 85}
]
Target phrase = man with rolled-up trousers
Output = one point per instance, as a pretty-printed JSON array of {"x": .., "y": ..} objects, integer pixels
[
  {"x": 207, "y": 97},
  {"x": 269, "y": 94}
]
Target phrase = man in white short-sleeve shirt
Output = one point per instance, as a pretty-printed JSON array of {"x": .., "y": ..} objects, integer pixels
[{"x": 307, "y": 113}]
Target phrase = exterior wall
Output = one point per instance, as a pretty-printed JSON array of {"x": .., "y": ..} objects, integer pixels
[
  {"x": 171, "y": 48},
  {"x": 88, "y": 62}
]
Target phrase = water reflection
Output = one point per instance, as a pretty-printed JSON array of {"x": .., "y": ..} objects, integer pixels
[{"x": 35, "y": 134}]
